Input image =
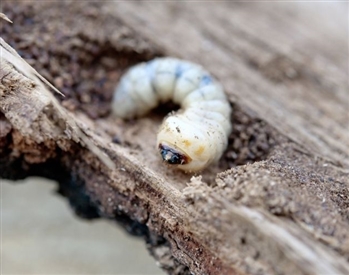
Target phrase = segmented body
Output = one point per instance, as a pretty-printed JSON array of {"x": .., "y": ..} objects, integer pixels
[{"x": 197, "y": 134}]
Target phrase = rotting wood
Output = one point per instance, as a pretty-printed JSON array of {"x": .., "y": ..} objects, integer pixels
[{"x": 283, "y": 210}]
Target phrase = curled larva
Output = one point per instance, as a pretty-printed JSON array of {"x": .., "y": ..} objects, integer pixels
[{"x": 197, "y": 134}]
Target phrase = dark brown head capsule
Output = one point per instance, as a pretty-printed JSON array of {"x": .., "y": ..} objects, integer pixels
[{"x": 172, "y": 156}]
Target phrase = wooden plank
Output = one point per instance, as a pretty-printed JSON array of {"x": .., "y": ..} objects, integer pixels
[
  {"x": 278, "y": 201},
  {"x": 285, "y": 61}
]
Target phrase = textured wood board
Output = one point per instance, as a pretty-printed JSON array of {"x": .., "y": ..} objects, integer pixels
[{"x": 276, "y": 203}]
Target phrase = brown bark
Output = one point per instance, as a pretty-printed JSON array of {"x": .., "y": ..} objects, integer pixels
[{"x": 276, "y": 203}]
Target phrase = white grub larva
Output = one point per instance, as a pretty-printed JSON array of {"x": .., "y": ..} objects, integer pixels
[{"x": 197, "y": 134}]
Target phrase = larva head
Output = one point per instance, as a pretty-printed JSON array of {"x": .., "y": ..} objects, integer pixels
[
  {"x": 182, "y": 143},
  {"x": 173, "y": 155}
]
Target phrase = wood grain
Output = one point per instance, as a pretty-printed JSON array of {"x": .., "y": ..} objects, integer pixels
[{"x": 278, "y": 201}]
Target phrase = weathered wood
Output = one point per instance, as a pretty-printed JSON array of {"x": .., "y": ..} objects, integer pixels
[
  {"x": 285, "y": 61},
  {"x": 278, "y": 201}
]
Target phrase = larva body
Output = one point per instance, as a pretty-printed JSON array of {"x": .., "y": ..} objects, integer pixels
[{"x": 197, "y": 134}]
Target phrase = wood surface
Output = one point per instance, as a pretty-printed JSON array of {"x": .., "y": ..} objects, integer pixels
[{"x": 276, "y": 203}]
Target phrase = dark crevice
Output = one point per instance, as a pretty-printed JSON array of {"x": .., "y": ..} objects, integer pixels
[
  {"x": 87, "y": 206},
  {"x": 251, "y": 140}
]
